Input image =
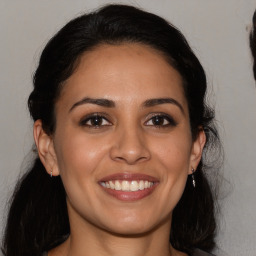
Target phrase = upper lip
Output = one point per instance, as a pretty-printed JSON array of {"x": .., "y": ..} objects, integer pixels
[{"x": 129, "y": 177}]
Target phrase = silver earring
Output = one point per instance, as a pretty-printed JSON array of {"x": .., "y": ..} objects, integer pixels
[
  {"x": 51, "y": 174},
  {"x": 193, "y": 178}
]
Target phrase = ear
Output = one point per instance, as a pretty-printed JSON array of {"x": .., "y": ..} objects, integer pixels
[
  {"x": 45, "y": 148},
  {"x": 197, "y": 150}
]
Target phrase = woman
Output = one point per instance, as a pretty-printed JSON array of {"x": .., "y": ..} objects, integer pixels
[{"x": 120, "y": 125}]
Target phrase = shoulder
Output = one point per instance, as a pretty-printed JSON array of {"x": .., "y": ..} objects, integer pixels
[{"x": 198, "y": 252}]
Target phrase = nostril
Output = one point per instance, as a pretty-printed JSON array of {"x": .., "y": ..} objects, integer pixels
[
  {"x": 129, "y": 146},
  {"x": 131, "y": 156}
]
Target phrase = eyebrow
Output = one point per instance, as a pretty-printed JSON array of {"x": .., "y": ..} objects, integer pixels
[
  {"x": 154, "y": 102},
  {"x": 99, "y": 102},
  {"x": 111, "y": 104}
]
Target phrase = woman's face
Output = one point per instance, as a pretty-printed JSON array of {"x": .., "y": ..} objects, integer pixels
[{"x": 123, "y": 145}]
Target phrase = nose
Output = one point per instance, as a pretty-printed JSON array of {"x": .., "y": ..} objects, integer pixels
[{"x": 130, "y": 146}]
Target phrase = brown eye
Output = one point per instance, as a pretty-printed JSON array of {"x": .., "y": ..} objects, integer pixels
[
  {"x": 95, "y": 121},
  {"x": 161, "y": 121}
]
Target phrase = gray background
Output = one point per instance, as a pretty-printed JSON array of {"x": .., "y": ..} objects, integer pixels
[{"x": 218, "y": 33}]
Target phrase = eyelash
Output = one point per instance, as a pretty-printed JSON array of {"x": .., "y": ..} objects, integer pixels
[
  {"x": 167, "y": 120},
  {"x": 164, "y": 118},
  {"x": 89, "y": 118}
]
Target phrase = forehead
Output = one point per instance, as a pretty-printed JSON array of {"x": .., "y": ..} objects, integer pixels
[{"x": 131, "y": 71}]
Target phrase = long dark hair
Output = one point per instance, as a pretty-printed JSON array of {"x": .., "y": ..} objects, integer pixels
[
  {"x": 38, "y": 218},
  {"x": 253, "y": 43}
]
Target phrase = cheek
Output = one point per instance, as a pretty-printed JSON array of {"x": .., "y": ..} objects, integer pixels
[
  {"x": 78, "y": 156},
  {"x": 174, "y": 152},
  {"x": 78, "y": 160},
  {"x": 173, "y": 156}
]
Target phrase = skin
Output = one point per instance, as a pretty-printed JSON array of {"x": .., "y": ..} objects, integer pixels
[{"x": 126, "y": 141}]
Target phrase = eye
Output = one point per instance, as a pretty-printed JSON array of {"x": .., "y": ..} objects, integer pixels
[
  {"x": 161, "y": 120},
  {"x": 95, "y": 121}
]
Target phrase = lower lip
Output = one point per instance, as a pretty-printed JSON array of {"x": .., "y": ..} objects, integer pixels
[{"x": 130, "y": 196}]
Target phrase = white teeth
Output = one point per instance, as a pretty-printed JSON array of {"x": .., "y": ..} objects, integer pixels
[
  {"x": 118, "y": 185},
  {"x": 126, "y": 185},
  {"x": 134, "y": 186},
  {"x": 141, "y": 185},
  {"x": 112, "y": 185}
]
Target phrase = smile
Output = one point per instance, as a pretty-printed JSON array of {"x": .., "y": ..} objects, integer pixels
[
  {"x": 126, "y": 185},
  {"x": 129, "y": 186}
]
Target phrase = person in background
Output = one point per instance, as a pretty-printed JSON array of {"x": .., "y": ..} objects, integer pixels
[{"x": 253, "y": 43}]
